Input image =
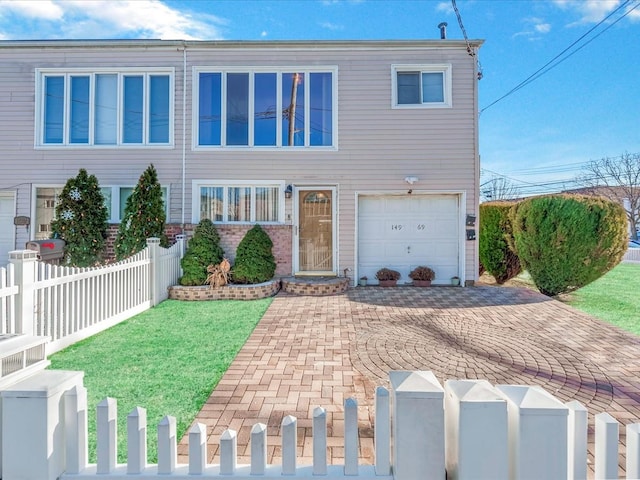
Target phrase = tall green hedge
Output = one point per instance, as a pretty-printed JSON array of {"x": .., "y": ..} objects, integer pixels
[
  {"x": 203, "y": 250},
  {"x": 496, "y": 256},
  {"x": 254, "y": 261},
  {"x": 568, "y": 241}
]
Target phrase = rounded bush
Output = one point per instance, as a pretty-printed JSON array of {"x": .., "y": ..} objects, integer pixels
[
  {"x": 496, "y": 255},
  {"x": 254, "y": 261},
  {"x": 203, "y": 250},
  {"x": 568, "y": 241}
]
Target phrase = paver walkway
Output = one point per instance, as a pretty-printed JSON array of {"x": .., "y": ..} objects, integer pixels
[{"x": 317, "y": 351}]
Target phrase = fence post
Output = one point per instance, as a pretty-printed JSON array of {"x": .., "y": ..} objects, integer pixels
[
  {"x": 152, "y": 244},
  {"x": 228, "y": 452},
  {"x": 75, "y": 417},
  {"x": 197, "y": 449},
  {"x": 577, "y": 450},
  {"x": 167, "y": 449},
  {"x": 350, "y": 436},
  {"x": 418, "y": 425},
  {"x": 382, "y": 432},
  {"x": 606, "y": 455},
  {"x": 538, "y": 429},
  {"x": 24, "y": 264},
  {"x": 182, "y": 240},
  {"x": 33, "y": 425},
  {"x": 633, "y": 450},
  {"x": 289, "y": 444},
  {"x": 319, "y": 441},
  {"x": 107, "y": 435},
  {"x": 476, "y": 430},
  {"x": 137, "y": 441}
]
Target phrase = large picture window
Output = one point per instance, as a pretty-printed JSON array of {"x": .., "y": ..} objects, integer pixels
[
  {"x": 266, "y": 108},
  {"x": 105, "y": 108},
  {"x": 421, "y": 86},
  {"x": 238, "y": 203}
]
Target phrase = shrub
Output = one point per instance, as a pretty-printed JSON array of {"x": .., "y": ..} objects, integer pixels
[
  {"x": 496, "y": 255},
  {"x": 422, "y": 273},
  {"x": 254, "y": 258},
  {"x": 81, "y": 220},
  {"x": 568, "y": 241},
  {"x": 387, "y": 274},
  {"x": 144, "y": 216},
  {"x": 203, "y": 250}
]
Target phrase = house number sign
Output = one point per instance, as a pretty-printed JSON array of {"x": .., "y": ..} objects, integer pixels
[{"x": 397, "y": 226}]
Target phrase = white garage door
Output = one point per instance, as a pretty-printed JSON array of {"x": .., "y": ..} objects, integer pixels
[
  {"x": 7, "y": 229},
  {"x": 402, "y": 232}
]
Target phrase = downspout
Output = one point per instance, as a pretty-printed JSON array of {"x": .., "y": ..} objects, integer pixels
[{"x": 184, "y": 132}]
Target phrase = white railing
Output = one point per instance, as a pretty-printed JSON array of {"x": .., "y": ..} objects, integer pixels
[
  {"x": 466, "y": 429},
  {"x": 632, "y": 255},
  {"x": 69, "y": 304},
  {"x": 8, "y": 292}
]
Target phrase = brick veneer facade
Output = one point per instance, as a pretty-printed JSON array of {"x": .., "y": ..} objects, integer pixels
[{"x": 230, "y": 237}]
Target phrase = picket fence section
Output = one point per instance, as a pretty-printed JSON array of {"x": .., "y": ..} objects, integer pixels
[
  {"x": 632, "y": 255},
  {"x": 69, "y": 304},
  {"x": 466, "y": 429}
]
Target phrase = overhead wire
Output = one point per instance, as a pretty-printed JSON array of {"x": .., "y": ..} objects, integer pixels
[{"x": 542, "y": 70}]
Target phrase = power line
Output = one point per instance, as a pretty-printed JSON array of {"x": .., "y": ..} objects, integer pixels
[{"x": 541, "y": 71}]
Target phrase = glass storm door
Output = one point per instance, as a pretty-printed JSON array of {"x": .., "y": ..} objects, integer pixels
[{"x": 315, "y": 233}]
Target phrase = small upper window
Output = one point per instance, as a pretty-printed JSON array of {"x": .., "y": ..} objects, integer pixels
[{"x": 422, "y": 86}]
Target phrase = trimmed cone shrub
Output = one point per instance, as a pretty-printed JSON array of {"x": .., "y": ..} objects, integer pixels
[
  {"x": 81, "y": 221},
  {"x": 144, "y": 216},
  {"x": 568, "y": 241},
  {"x": 203, "y": 250},
  {"x": 496, "y": 256},
  {"x": 254, "y": 258}
]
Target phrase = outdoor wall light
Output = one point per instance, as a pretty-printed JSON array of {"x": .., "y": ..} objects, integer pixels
[
  {"x": 288, "y": 191},
  {"x": 411, "y": 180}
]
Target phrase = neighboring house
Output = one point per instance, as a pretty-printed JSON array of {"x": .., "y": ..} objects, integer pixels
[{"x": 353, "y": 155}]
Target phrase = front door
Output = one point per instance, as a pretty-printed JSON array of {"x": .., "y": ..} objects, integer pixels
[{"x": 315, "y": 233}]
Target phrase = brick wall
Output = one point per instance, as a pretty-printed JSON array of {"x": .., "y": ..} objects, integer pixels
[{"x": 230, "y": 237}]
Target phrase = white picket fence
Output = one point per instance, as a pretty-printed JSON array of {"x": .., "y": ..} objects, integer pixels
[
  {"x": 69, "y": 304},
  {"x": 632, "y": 255},
  {"x": 468, "y": 429}
]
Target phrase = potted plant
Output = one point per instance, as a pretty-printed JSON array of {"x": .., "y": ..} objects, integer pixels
[
  {"x": 455, "y": 281},
  {"x": 422, "y": 276},
  {"x": 363, "y": 281},
  {"x": 387, "y": 277}
]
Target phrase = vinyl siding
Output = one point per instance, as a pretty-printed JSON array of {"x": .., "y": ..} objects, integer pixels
[{"x": 377, "y": 145}]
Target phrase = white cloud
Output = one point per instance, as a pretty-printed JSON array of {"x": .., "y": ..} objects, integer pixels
[
  {"x": 264, "y": 33},
  {"x": 444, "y": 7},
  {"x": 534, "y": 28},
  {"x": 593, "y": 11},
  {"x": 542, "y": 28},
  {"x": 39, "y": 9},
  {"x": 331, "y": 26},
  {"x": 111, "y": 19}
]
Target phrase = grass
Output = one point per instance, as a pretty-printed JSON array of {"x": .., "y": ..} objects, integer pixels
[
  {"x": 614, "y": 297},
  {"x": 167, "y": 360}
]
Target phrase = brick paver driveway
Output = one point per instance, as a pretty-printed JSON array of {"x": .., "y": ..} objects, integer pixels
[{"x": 317, "y": 351}]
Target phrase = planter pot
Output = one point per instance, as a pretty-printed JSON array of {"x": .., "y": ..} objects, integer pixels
[
  {"x": 422, "y": 283},
  {"x": 455, "y": 281},
  {"x": 387, "y": 283},
  {"x": 362, "y": 282}
]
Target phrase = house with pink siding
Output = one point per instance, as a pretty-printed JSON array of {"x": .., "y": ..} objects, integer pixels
[{"x": 353, "y": 155}]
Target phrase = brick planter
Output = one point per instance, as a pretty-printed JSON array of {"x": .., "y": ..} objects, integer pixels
[
  {"x": 315, "y": 286},
  {"x": 228, "y": 292}
]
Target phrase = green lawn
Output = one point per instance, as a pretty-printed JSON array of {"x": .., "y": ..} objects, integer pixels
[
  {"x": 167, "y": 360},
  {"x": 614, "y": 297}
]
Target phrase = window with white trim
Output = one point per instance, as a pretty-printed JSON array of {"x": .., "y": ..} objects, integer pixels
[
  {"x": 105, "y": 108},
  {"x": 239, "y": 202},
  {"x": 421, "y": 86},
  {"x": 115, "y": 199},
  {"x": 270, "y": 108}
]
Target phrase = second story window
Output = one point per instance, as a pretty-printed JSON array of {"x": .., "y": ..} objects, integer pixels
[
  {"x": 421, "y": 86},
  {"x": 289, "y": 108},
  {"x": 105, "y": 108}
]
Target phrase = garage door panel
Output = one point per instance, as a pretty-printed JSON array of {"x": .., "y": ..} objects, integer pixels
[{"x": 403, "y": 232}]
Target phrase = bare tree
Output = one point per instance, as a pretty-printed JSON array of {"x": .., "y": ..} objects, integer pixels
[
  {"x": 617, "y": 179},
  {"x": 499, "y": 188}
]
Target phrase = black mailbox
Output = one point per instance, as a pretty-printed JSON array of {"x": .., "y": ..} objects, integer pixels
[{"x": 48, "y": 250}]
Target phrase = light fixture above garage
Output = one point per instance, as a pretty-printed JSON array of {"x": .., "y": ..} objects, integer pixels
[{"x": 411, "y": 180}]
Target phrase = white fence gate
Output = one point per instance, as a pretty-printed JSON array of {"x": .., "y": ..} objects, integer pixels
[{"x": 468, "y": 429}]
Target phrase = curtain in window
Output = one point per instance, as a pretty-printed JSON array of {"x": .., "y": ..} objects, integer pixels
[
  {"x": 267, "y": 204},
  {"x": 239, "y": 207},
  {"x": 211, "y": 201}
]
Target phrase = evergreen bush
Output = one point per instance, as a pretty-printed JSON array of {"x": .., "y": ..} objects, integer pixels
[
  {"x": 144, "y": 216},
  {"x": 568, "y": 241},
  {"x": 203, "y": 250},
  {"x": 81, "y": 221},
  {"x": 496, "y": 255},
  {"x": 254, "y": 258}
]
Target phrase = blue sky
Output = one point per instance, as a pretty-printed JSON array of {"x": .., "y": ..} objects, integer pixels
[{"x": 587, "y": 107}]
